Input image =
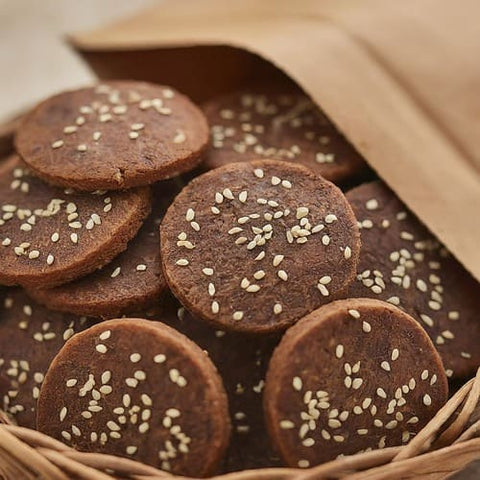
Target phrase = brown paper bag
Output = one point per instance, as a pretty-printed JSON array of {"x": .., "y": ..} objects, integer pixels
[{"x": 400, "y": 79}]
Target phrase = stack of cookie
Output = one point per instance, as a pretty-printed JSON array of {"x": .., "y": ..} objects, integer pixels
[{"x": 154, "y": 255}]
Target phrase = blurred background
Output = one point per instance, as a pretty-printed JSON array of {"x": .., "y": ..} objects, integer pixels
[{"x": 34, "y": 60}]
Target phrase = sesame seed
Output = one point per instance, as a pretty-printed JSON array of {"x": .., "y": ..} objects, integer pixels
[
  {"x": 277, "y": 309},
  {"x": 286, "y": 424},
  {"x": 179, "y": 137},
  {"x": 133, "y": 135},
  {"x": 71, "y": 382},
  {"x": 105, "y": 335},
  {"x": 190, "y": 215},
  {"x": 141, "y": 267},
  {"x": 330, "y": 218},
  {"x": 354, "y": 313},
  {"x": 50, "y": 259},
  {"x": 371, "y": 204},
  {"x": 323, "y": 290},
  {"x": 395, "y": 354},
  {"x": 277, "y": 259},
  {"x": 116, "y": 272},
  {"x": 63, "y": 414},
  {"x": 100, "y": 348},
  {"x": 302, "y": 212},
  {"x": 137, "y": 126},
  {"x": 237, "y": 315},
  {"x": 366, "y": 327},
  {"x": 160, "y": 358},
  {"x": 381, "y": 393},
  {"x": 297, "y": 383},
  {"x": 135, "y": 357},
  {"x": 70, "y": 129},
  {"x": 82, "y": 147},
  {"x": 339, "y": 351},
  {"x": 258, "y": 172},
  {"x": 74, "y": 238},
  {"x": 282, "y": 274},
  {"x": 183, "y": 262},
  {"x": 386, "y": 366},
  {"x": 326, "y": 240},
  {"x": 427, "y": 400},
  {"x": 57, "y": 144},
  {"x": 131, "y": 450},
  {"x": 215, "y": 307}
]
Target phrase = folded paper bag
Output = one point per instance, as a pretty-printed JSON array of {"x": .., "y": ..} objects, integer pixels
[{"x": 400, "y": 79}]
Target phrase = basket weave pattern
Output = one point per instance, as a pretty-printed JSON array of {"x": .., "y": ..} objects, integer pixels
[{"x": 445, "y": 445}]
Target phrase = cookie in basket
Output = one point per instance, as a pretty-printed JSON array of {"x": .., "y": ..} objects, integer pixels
[
  {"x": 131, "y": 282},
  {"x": 255, "y": 246},
  {"x": 354, "y": 375},
  {"x": 30, "y": 336},
  {"x": 113, "y": 136},
  {"x": 138, "y": 389},
  {"x": 242, "y": 362},
  {"x": 49, "y": 236},
  {"x": 248, "y": 125},
  {"x": 402, "y": 263}
]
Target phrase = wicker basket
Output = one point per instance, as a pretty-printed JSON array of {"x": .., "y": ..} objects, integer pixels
[{"x": 446, "y": 444}]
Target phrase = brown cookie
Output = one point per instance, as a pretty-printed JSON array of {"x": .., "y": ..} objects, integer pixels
[
  {"x": 49, "y": 236},
  {"x": 138, "y": 389},
  {"x": 113, "y": 136},
  {"x": 354, "y": 375},
  {"x": 255, "y": 246},
  {"x": 242, "y": 362},
  {"x": 402, "y": 263},
  {"x": 282, "y": 126},
  {"x": 131, "y": 282},
  {"x": 30, "y": 336}
]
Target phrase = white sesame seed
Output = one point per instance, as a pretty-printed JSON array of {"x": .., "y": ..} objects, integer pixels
[
  {"x": 215, "y": 307},
  {"x": 133, "y": 135},
  {"x": 82, "y": 147},
  {"x": 116, "y": 272},
  {"x": 339, "y": 351},
  {"x": 179, "y": 137},
  {"x": 50, "y": 259},
  {"x": 141, "y": 267},
  {"x": 160, "y": 358},
  {"x": 325, "y": 280},
  {"x": 277, "y": 259},
  {"x": 395, "y": 354},
  {"x": 277, "y": 309},
  {"x": 381, "y": 393},
  {"x": 354, "y": 313},
  {"x": 427, "y": 400},
  {"x": 258, "y": 172},
  {"x": 57, "y": 144},
  {"x": 282, "y": 274},
  {"x": 135, "y": 357},
  {"x": 190, "y": 215},
  {"x": 366, "y": 327},
  {"x": 297, "y": 383},
  {"x": 105, "y": 335},
  {"x": 237, "y": 315},
  {"x": 386, "y": 366},
  {"x": 183, "y": 262},
  {"x": 330, "y": 218},
  {"x": 100, "y": 348}
]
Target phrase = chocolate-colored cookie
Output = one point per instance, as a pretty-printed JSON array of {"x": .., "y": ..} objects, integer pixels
[
  {"x": 255, "y": 246},
  {"x": 402, "y": 263},
  {"x": 131, "y": 282},
  {"x": 138, "y": 389},
  {"x": 30, "y": 336},
  {"x": 354, "y": 375},
  {"x": 282, "y": 126},
  {"x": 112, "y": 136},
  {"x": 49, "y": 236},
  {"x": 242, "y": 362}
]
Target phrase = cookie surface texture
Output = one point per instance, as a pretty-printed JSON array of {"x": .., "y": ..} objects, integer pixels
[
  {"x": 282, "y": 126},
  {"x": 353, "y": 375},
  {"x": 141, "y": 390},
  {"x": 49, "y": 236},
  {"x": 113, "y": 136},
  {"x": 402, "y": 263},
  {"x": 255, "y": 246}
]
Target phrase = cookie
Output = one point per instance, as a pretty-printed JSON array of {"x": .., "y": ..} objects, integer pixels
[
  {"x": 131, "y": 282},
  {"x": 30, "y": 336},
  {"x": 402, "y": 263},
  {"x": 242, "y": 362},
  {"x": 138, "y": 389},
  {"x": 49, "y": 236},
  {"x": 354, "y": 375},
  {"x": 113, "y": 136},
  {"x": 255, "y": 246},
  {"x": 246, "y": 126}
]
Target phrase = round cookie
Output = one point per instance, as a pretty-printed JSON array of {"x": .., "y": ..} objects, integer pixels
[
  {"x": 282, "y": 126},
  {"x": 131, "y": 282},
  {"x": 138, "y": 389},
  {"x": 242, "y": 363},
  {"x": 255, "y": 246},
  {"x": 402, "y": 263},
  {"x": 49, "y": 236},
  {"x": 30, "y": 336},
  {"x": 354, "y": 375},
  {"x": 113, "y": 136}
]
